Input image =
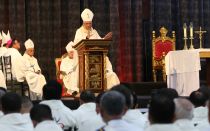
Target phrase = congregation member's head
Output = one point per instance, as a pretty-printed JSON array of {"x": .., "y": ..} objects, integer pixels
[
  {"x": 11, "y": 103},
  {"x": 161, "y": 109},
  {"x": 40, "y": 113},
  {"x": 205, "y": 90},
  {"x": 198, "y": 98},
  {"x": 183, "y": 109},
  {"x": 87, "y": 17},
  {"x": 26, "y": 105},
  {"x": 15, "y": 44},
  {"x": 112, "y": 106},
  {"x": 29, "y": 45},
  {"x": 52, "y": 90},
  {"x": 125, "y": 92},
  {"x": 169, "y": 92},
  {"x": 86, "y": 96}
]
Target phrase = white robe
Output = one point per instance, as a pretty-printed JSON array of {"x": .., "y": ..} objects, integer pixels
[
  {"x": 18, "y": 64},
  {"x": 61, "y": 114},
  {"x": 47, "y": 125},
  {"x": 92, "y": 124},
  {"x": 71, "y": 69},
  {"x": 28, "y": 118},
  {"x": 15, "y": 122},
  {"x": 120, "y": 125},
  {"x": 163, "y": 127},
  {"x": 200, "y": 115},
  {"x": 205, "y": 126},
  {"x": 135, "y": 117},
  {"x": 2, "y": 80},
  {"x": 84, "y": 113},
  {"x": 185, "y": 125},
  {"x": 112, "y": 78},
  {"x": 82, "y": 33},
  {"x": 34, "y": 80},
  {"x": 3, "y": 51}
]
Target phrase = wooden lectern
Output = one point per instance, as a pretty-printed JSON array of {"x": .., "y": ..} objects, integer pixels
[{"x": 92, "y": 64}]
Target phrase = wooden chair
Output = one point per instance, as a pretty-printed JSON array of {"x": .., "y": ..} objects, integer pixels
[
  {"x": 58, "y": 73},
  {"x": 160, "y": 47},
  {"x": 11, "y": 82},
  {"x": 1, "y": 64}
]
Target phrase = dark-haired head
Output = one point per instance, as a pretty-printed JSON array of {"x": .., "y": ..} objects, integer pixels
[
  {"x": 87, "y": 96},
  {"x": 125, "y": 92},
  {"x": 11, "y": 103},
  {"x": 52, "y": 90},
  {"x": 15, "y": 44},
  {"x": 168, "y": 92},
  {"x": 112, "y": 106},
  {"x": 198, "y": 98},
  {"x": 40, "y": 113},
  {"x": 161, "y": 109}
]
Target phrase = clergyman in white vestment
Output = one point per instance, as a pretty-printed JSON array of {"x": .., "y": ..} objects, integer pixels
[
  {"x": 87, "y": 32},
  {"x": 70, "y": 69},
  {"x": 17, "y": 61},
  {"x": 33, "y": 75},
  {"x": 5, "y": 41}
]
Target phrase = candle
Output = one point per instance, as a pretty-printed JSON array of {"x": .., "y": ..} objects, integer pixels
[
  {"x": 185, "y": 30},
  {"x": 191, "y": 30}
]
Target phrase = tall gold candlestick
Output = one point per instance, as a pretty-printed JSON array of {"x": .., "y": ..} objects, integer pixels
[
  {"x": 185, "y": 43},
  {"x": 191, "y": 36},
  {"x": 185, "y": 36},
  {"x": 191, "y": 43}
]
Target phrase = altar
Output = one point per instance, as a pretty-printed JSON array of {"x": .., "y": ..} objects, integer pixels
[{"x": 182, "y": 69}]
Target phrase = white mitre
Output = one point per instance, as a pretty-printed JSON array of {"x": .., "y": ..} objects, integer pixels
[
  {"x": 87, "y": 15},
  {"x": 29, "y": 44},
  {"x": 69, "y": 47}
]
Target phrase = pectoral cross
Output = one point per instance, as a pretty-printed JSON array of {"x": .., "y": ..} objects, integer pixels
[
  {"x": 33, "y": 67},
  {"x": 200, "y": 32}
]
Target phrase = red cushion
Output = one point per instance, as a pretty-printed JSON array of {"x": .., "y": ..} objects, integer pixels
[
  {"x": 60, "y": 80},
  {"x": 59, "y": 64},
  {"x": 161, "y": 47}
]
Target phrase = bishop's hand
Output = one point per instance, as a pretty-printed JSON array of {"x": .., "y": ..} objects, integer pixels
[{"x": 108, "y": 36}]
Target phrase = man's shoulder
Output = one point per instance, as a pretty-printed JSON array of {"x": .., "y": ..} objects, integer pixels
[
  {"x": 79, "y": 29},
  {"x": 65, "y": 60}
]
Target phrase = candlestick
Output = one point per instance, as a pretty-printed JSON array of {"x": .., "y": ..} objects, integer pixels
[
  {"x": 185, "y": 30},
  {"x": 191, "y": 29},
  {"x": 185, "y": 43},
  {"x": 191, "y": 43}
]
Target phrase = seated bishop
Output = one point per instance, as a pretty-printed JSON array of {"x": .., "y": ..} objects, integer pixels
[
  {"x": 70, "y": 69},
  {"x": 33, "y": 74}
]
